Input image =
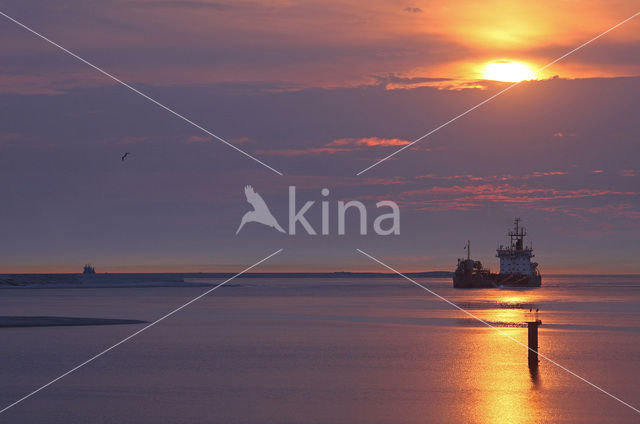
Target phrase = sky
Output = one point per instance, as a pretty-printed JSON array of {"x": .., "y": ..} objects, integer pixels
[{"x": 318, "y": 91}]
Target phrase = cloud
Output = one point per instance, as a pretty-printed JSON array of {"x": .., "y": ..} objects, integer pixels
[
  {"x": 10, "y": 137},
  {"x": 339, "y": 145},
  {"x": 302, "y": 152},
  {"x": 394, "y": 81},
  {"x": 240, "y": 140},
  {"x": 470, "y": 192},
  {"x": 508, "y": 193},
  {"x": 308, "y": 44},
  {"x": 494, "y": 177},
  {"x": 498, "y": 161},
  {"x": 369, "y": 141},
  {"x": 322, "y": 181},
  {"x": 199, "y": 139},
  {"x": 563, "y": 135}
]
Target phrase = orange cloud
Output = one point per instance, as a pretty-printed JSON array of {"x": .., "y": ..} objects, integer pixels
[
  {"x": 494, "y": 178},
  {"x": 199, "y": 139},
  {"x": 563, "y": 135},
  {"x": 471, "y": 196},
  {"x": 301, "y": 152},
  {"x": 508, "y": 193},
  {"x": 339, "y": 145},
  {"x": 239, "y": 140},
  {"x": 368, "y": 141}
]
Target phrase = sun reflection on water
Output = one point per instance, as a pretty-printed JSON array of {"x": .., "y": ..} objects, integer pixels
[
  {"x": 511, "y": 392},
  {"x": 503, "y": 388}
]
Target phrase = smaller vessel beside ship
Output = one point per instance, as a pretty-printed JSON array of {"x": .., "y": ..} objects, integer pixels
[{"x": 516, "y": 267}]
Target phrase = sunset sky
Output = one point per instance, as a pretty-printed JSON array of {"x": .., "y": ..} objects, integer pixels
[{"x": 319, "y": 90}]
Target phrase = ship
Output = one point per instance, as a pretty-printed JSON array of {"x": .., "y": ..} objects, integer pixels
[
  {"x": 88, "y": 270},
  {"x": 516, "y": 267}
]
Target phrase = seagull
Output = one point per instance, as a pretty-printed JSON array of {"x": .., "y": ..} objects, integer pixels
[
  {"x": 260, "y": 212},
  {"x": 124, "y": 156}
]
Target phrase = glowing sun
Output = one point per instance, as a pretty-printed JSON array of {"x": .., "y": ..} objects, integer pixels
[{"x": 508, "y": 72}]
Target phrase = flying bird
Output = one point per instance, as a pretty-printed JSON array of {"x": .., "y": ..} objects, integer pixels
[
  {"x": 124, "y": 156},
  {"x": 260, "y": 212}
]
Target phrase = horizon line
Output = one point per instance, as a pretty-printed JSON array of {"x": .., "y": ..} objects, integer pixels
[{"x": 293, "y": 272}]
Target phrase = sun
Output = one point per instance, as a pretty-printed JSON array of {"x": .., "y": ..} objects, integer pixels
[{"x": 507, "y": 71}]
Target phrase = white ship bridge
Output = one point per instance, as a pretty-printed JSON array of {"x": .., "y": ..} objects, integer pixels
[{"x": 516, "y": 257}]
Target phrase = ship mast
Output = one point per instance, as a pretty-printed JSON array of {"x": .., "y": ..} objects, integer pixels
[{"x": 517, "y": 235}]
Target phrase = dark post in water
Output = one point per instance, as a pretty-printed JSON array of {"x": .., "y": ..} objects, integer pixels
[{"x": 532, "y": 326}]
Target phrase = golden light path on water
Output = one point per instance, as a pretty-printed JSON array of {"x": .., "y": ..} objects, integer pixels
[
  {"x": 496, "y": 363},
  {"x": 512, "y": 398}
]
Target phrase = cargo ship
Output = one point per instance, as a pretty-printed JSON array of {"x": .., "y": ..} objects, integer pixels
[{"x": 516, "y": 267}]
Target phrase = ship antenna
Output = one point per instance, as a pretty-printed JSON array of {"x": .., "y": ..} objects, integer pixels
[{"x": 468, "y": 249}]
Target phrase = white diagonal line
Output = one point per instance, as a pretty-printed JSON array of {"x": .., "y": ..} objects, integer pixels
[
  {"x": 497, "y": 329},
  {"x": 497, "y": 94},
  {"x": 137, "y": 332},
  {"x": 135, "y": 90}
]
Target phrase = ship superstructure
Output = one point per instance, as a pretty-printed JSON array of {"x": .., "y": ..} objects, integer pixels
[
  {"x": 516, "y": 267},
  {"x": 516, "y": 258}
]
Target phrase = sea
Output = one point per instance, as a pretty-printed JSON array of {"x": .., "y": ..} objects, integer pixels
[{"x": 317, "y": 349}]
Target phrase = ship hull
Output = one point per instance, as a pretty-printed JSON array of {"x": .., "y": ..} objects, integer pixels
[{"x": 479, "y": 281}]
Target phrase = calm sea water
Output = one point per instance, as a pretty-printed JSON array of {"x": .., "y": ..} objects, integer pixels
[{"x": 320, "y": 350}]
